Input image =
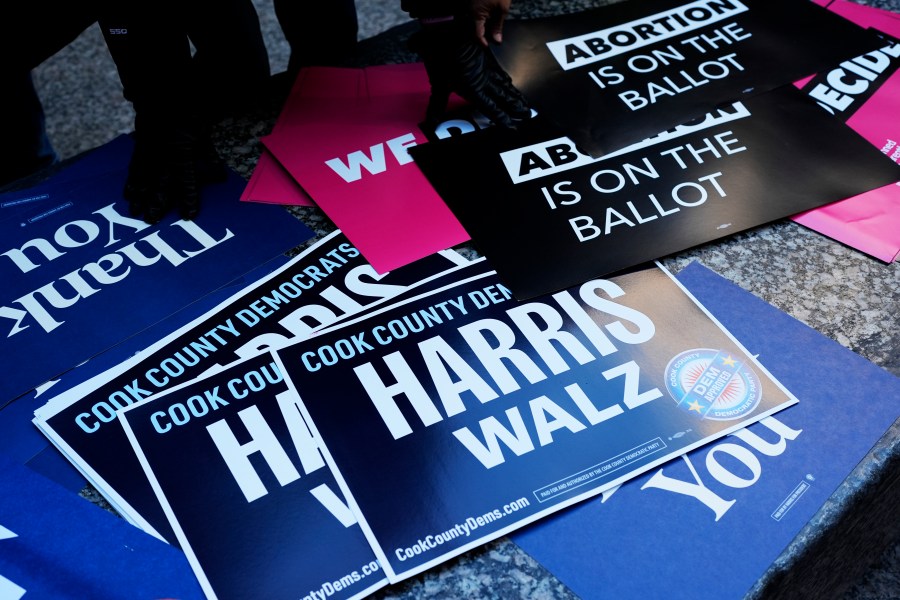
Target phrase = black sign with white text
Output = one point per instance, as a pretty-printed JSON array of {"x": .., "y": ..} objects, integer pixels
[
  {"x": 766, "y": 158},
  {"x": 617, "y": 74}
]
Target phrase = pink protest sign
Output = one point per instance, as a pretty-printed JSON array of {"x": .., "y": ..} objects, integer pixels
[
  {"x": 865, "y": 93},
  {"x": 271, "y": 184},
  {"x": 869, "y": 222},
  {"x": 311, "y": 93},
  {"x": 349, "y": 152}
]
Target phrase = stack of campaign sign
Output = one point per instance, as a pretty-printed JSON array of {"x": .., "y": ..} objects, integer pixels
[
  {"x": 328, "y": 430},
  {"x": 324, "y": 283},
  {"x": 326, "y": 386}
]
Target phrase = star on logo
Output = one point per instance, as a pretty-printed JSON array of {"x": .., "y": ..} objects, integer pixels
[
  {"x": 695, "y": 406},
  {"x": 728, "y": 361}
]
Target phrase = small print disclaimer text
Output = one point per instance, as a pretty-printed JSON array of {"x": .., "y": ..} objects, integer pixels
[
  {"x": 790, "y": 501},
  {"x": 599, "y": 470}
]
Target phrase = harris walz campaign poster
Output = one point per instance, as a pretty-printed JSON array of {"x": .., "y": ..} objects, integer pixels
[
  {"x": 326, "y": 282},
  {"x": 458, "y": 416},
  {"x": 744, "y": 497},
  {"x": 246, "y": 490},
  {"x": 614, "y": 75}
]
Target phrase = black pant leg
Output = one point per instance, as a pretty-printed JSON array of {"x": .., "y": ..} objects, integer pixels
[{"x": 319, "y": 33}]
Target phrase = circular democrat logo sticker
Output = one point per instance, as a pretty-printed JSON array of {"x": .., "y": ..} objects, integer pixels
[{"x": 713, "y": 384}]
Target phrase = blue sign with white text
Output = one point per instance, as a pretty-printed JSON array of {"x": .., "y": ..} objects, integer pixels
[
  {"x": 80, "y": 274},
  {"x": 743, "y": 499},
  {"x": 108, "y": 158}
]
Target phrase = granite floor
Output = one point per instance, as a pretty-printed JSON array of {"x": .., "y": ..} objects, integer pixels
[{"x": 82, "y": 98}]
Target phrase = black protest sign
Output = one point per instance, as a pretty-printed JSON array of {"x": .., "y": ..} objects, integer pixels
[
  {"x": 459, "y": 416},
  {"x": 255, "y": 508},
  {"x": 547, "y": 216},
  {"x": 618, "y": 74},
  {"x": 327, "y": 282}
]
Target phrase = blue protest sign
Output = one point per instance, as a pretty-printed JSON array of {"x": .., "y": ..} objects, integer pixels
[
  {"x": 22, "y": 442},
  {"x": 248, "y": 494},
  {"x": 461, "y": 415},
  {"x": 326, "y": 282},
  {"x": 54, "y": 544},
  {"x": 80, "y": 274},
  {"x": 745, "y": 497},
  {"x": 110, "y": 157}
]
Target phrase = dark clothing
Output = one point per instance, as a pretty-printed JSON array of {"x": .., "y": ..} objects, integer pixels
[
  {"x": 26, "y": 147},
  {"x": 31, "y": 32},
  {"x": 150, "y": 42},
  {"x": 27, "y": 39},
  {"x": 421, "y": 9},
  {"x": 319, "y": 33}
]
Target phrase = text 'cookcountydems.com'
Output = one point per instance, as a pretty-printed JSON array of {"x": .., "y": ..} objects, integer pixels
[
  {"x": 329, "y": 588},
  {"x": 464, "y": 529}
]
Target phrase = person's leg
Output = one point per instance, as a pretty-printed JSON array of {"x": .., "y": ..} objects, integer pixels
[
  {"x": 149, "y": 43},
  {"x": 322, "y": 32},
  {"x": 26, "y": 147},
  {"x": 231, "y": 64}
]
